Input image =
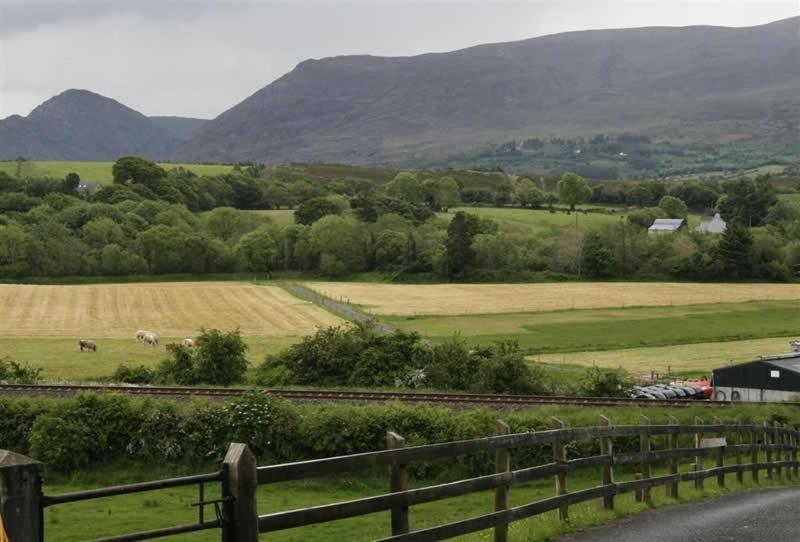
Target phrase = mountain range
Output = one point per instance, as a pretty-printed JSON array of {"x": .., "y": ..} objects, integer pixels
[{"x": 701, "y": 83}]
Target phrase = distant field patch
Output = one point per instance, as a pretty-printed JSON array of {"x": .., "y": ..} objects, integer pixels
[
  {"x": 517, "y": 220},
  {"x": 169, "y": 309},
  {"x": 283, "y": 217},
  {"x": 96, "y": 171},
  {"x": 692, "y": 358},
  {"x": 455, "y": 299}
]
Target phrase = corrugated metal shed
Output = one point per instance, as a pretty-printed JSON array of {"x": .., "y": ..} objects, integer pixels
[
  {"x": 666, "y": 225},
  {"x": 780, "y": 373}
]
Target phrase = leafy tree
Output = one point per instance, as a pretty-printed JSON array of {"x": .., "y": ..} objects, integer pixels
[
  {"x": 573, "y": 190},
  {"x": 528, "y": 194},
  {"x": 597, "y": 259},
  {"x": 258, "y": 250},
  {"x": 460, "y": 255},
  {"x": 137, "y": 170},
  {"x": 406, "y": 186},
  {"x": 71, "y": 182},
  {"x": 644, "y": 218},
  {"x": 313, "y": 209},
  {"x": 735, "y": 251},
  {"x": 220, "y": 358},
  {"x": 747, "y": 201},
  {"x": 673, "y": 207},
  {"x": 101, "y": 232},
  {"x": 442, "y": 193},
  {"x": 640, "y": 195}
]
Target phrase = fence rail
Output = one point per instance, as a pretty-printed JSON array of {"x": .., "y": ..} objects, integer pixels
[
  {"x": 771, "y": 450},
  {"x": 779, "y": 443}
]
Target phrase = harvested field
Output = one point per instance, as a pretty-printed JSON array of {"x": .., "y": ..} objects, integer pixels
[
  {"x": 169, "y": 309},
  {"x": 454, "y": 299}
]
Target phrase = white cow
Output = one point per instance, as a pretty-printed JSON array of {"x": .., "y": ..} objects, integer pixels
[
  {"x": 187, "y": 343},
  {"x": 140, "y": 334},
  {"x": 150, "y": 338}
]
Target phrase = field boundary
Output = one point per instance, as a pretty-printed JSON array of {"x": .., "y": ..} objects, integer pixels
[{"x": 339, "y": 308}]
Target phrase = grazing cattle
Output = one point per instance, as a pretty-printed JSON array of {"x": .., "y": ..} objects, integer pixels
[
  {"x": 88, "y": 345},
  {"x": 187, "y": 343},
  {"x": 140, "y": 334},
  {"x": 151, "y": 339}
]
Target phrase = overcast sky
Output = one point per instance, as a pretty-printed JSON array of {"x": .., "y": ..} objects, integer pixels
[{"x": 200, "y": 57}]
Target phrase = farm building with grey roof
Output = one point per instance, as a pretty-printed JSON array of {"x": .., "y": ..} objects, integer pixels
[{"x": 667, "y": 225}]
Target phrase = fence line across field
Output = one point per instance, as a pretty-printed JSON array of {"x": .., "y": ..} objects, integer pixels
[{"x": 238, "y": 517}]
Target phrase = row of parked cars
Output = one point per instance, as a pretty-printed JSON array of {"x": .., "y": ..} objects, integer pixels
[{"x": 671, "y": 391}]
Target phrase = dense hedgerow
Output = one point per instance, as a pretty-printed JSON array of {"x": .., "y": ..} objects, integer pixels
[{"x": 89, "y": 430}]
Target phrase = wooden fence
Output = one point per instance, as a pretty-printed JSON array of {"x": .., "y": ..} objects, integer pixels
[
  {"x": 779, "y": 443},
  {"x": 771, "y": 450}
]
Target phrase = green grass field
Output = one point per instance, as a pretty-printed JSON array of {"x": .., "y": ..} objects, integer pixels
[
  {"x": 95, "y": 171},
  {"x": 61, "y": 359},
  {"x": 616, "y": 337},
  {"x": 693, "y": 358},
  {"x": 283, "y": 217},
  {"x": 516, "y": 220}
]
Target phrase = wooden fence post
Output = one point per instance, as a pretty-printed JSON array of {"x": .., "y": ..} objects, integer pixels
[
  {"x": 672, "y": 443},
  {"x": 241, "y": 512},
  {"x": 767, "y": 447},
  {"x": 20, "y": 496},
  {"x": 720, "y": 456},
  {"x": 698, "y": 436},
  {"x": 795, "y": 439},
  {"x": 560, "y": 457},
  {"x": 644, "y": 448},
  {"x": 739, "y": 444},
  {"x": 786, "y": 440},
  {"x": 777, "y": 440},
  {"x": 607, "y": 448},
  {"x": 502, "y": 463},
  {"x": 398, "y": 481},
  {"x": 754, "y": 453}
]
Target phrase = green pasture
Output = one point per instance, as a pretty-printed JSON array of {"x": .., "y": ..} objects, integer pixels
[
  {"x": 283, "y": 217},
  {"x": 95, "y": 171},
  {"x": 61, "y": 359},
  {"x": 519, "y": 220},
  {"x": 693, "y": 358},
  {"x": 589, "y": 332}
]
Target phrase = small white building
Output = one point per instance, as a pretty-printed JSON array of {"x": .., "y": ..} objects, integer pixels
[
  {"x": 666, "y": 225},
  {"x": 711, "y": 225}
]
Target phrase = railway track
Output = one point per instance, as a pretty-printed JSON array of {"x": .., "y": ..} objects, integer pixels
[{"x": 505, "y": 401}]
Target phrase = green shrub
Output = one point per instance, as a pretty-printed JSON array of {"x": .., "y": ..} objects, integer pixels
[
  {"x": 134, "y": 375},
  {"x": 178, "y": 369},
  {"x": 599, "y": 382},
  {"x": 61, "y": 443},
  {"x": 220, "y": 359},
  {"x": 16, "y": 373}
]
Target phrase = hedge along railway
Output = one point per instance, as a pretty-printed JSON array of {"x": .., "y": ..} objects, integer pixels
[{"x": 333, "y": 396}]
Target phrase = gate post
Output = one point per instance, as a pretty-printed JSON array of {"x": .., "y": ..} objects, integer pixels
[
  {"x": 240, "y": 484},
  {"x": 20, "y": 497}
]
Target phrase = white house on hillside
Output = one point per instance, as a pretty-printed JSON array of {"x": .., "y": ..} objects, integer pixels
[
  {"x": 666, "y": 225},
  {"x": 711, "y": 224}
]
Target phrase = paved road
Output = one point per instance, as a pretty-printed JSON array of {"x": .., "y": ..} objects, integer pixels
[{"x": 765, "y": 515}]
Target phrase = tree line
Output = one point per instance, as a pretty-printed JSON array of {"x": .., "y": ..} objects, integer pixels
[{"x": 142, "y": 224}]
